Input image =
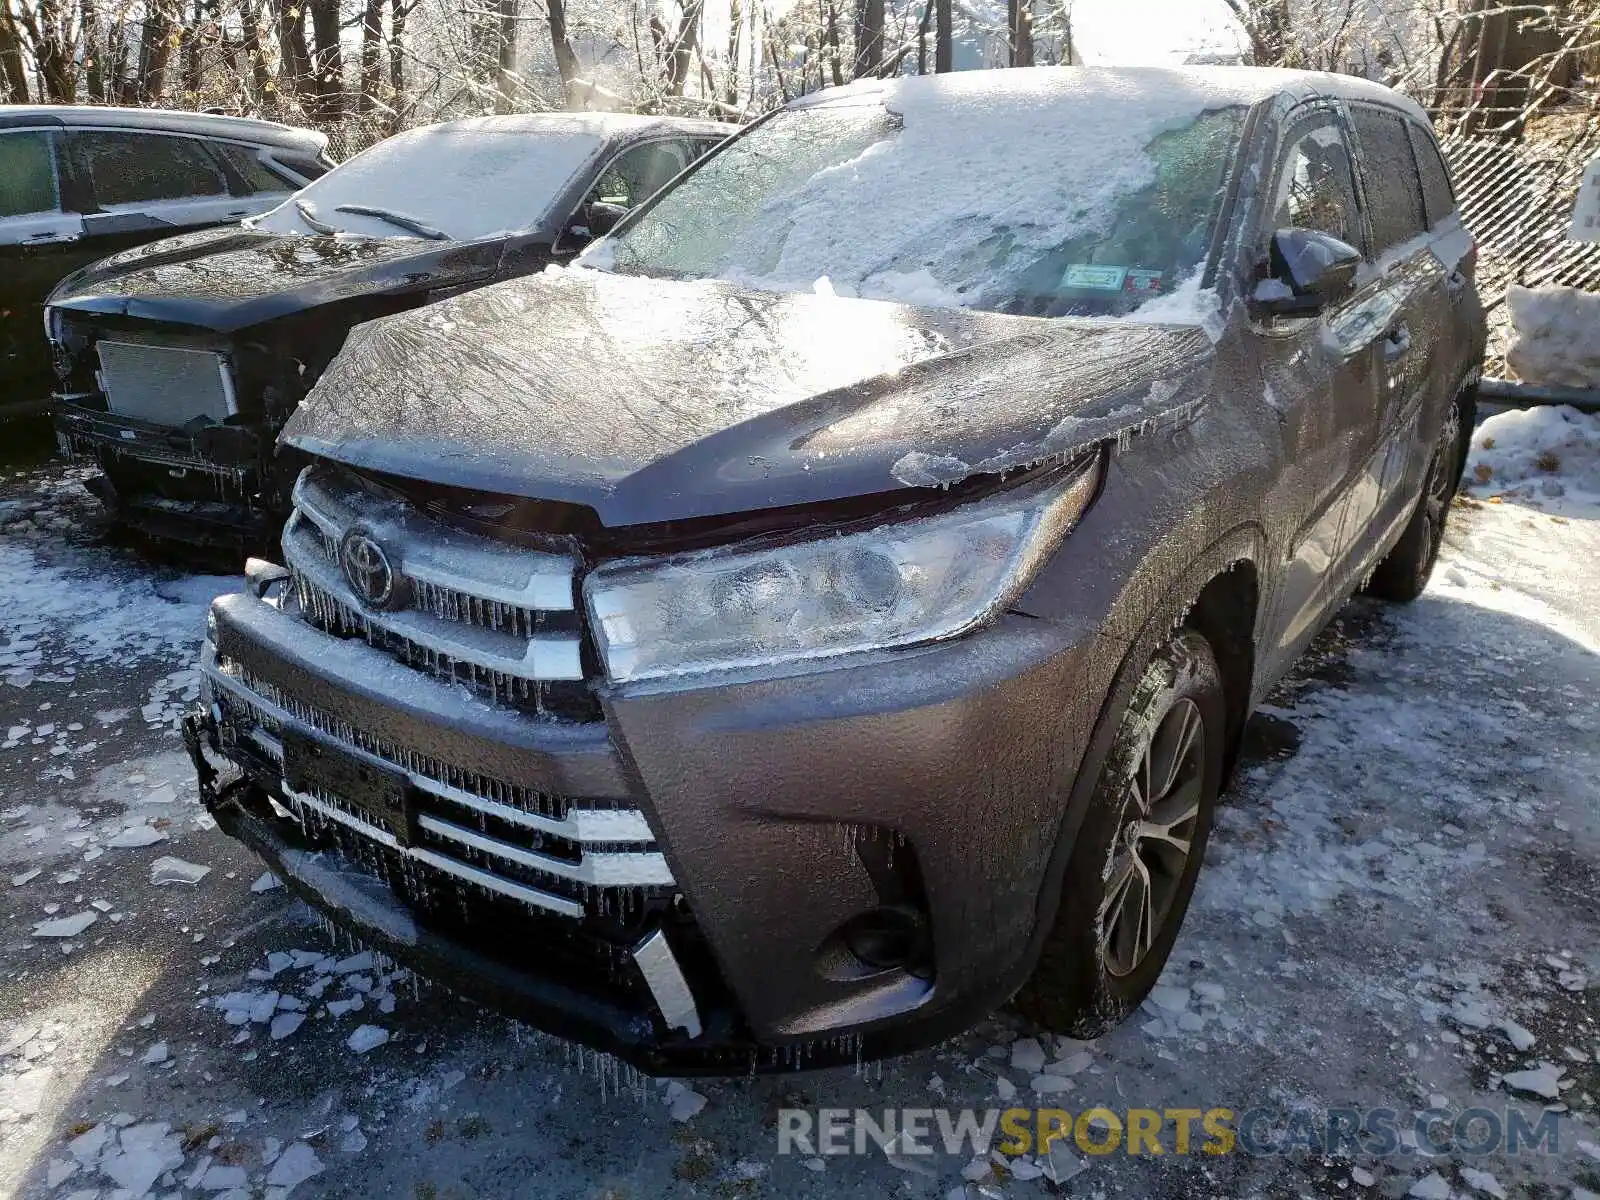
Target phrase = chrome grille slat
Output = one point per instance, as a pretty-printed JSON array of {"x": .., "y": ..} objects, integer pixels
[
  {"x": 165, "y": 385},
  {"x": 439, "y": 862}
]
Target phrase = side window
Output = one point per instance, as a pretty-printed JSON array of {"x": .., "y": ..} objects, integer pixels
[
  {"x": 1437, "y": 193},
  {"x": 257, "y": 176},
  {"x": 1316, "y": 185},
  {"x": 139, "y": 168},
  {"x": 1389, "y": 171},
  {"x": 636, "y": 174},
  {"x": 27, "y": 174}
]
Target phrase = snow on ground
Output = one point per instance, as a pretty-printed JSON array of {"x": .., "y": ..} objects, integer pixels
[
  {"x": 1556, "y": 336},
  {"x": 1548, "y": 457},
  {"x": 1398, "y": 910}
]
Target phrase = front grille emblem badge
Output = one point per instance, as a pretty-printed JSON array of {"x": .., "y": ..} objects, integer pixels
[{"x": 367, "y": 570}]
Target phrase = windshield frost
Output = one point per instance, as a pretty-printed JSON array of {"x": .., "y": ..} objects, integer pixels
[
  {"x": 1055, "y": 195},
  {"x": 465, "y": 179}
]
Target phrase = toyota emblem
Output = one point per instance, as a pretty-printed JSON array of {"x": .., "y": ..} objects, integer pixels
[{"x": 366, "y": 569}]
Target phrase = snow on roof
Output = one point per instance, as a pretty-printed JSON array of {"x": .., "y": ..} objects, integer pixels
[
  {"x": 248, "y": 129},
  {"x": 1032, "y": 87}
]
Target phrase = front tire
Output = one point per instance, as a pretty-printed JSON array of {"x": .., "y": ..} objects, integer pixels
[
  {"x": 1133, "y": 867},
  {"x": 1406, "y": 569}
]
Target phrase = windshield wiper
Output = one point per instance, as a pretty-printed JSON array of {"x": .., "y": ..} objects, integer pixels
[
  {"x": 399, "y": 220},
  {"x": 309, "y": 216}
]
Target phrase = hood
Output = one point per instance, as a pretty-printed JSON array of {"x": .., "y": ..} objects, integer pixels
[
  {"x": 227, "y": 279},
  {"x": 652, "y": 400}
]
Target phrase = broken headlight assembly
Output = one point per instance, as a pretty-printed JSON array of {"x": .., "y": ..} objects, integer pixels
[{"x": 919, "y": 580}]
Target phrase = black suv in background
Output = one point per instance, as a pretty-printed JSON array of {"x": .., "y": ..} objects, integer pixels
[
  {"x": 180, "y": 361},
  {"x": 78, "y": 184},
  {"x": 831, "y": 607}
]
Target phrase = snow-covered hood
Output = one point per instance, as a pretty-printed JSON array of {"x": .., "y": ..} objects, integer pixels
[{"x": 653, "y": 400}]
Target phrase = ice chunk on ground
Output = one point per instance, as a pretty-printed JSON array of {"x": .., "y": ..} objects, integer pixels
[
  {"x": 1027, "y": 1055},
  {"x": 135, "y": 837},
  {"x": 1519, "y": 1037},
  {"x": 1483, "y": 1181},
  {"x": 1170, "y": 999},
  {"x": 367, "y": 1037},
  {"x": 66, "y": 927},
  {"x": 683, "y": 1102},
  {"x": 266, "y": 883},
  {"x": 297, "y": 1163},
  {"x": 155, "y": 1054},
  {"x": 1543, "y": 1080},
  {"x": 1431, "y": 1186},
  {"x": 285, "y": 1023},
  {"x": 167, "y": 869}
]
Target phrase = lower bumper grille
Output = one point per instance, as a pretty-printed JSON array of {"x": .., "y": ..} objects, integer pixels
[{"x": 549, "y": 853}]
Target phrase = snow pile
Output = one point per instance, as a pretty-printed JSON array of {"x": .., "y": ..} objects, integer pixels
[
  {"x": 1548, "y": 454},
  {"x": 984, "y": 182},
  {"x": 469, "y": 178},
  {"x": 1557, "y": 336}
]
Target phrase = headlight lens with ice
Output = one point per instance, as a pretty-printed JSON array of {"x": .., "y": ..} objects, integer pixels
[{"x": 916, "y": 581}]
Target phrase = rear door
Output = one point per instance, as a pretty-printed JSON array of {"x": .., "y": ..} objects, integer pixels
[
  {"x": 39, "y": 241},
  {"x": 147, "y": 185},
  {"x": 1410, "y": 294}
]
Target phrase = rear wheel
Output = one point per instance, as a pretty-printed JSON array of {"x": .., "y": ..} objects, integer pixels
[
  {"x": 1134, "y": 864},
  {"x": 1405, "y": 570}
]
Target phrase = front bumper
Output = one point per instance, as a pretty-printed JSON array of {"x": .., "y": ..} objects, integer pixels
[
  {"x": 929, "y": 783},
  {"x": 170, "y": 484}
]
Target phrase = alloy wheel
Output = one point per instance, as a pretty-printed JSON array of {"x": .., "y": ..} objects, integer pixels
[{"x": 1160, "y": 811}]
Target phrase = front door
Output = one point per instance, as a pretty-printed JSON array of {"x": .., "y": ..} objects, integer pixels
[{"x": 1322, "y": 377}]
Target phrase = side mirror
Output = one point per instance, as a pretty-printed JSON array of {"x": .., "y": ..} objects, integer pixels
[
  {"x": 1307, "y": 272},
  {"x": 603, "y": 217}
]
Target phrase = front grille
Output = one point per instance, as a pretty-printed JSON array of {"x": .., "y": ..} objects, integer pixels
[
  {"x": 165, "y": 385},
  {"x": 497, "y": 619}
]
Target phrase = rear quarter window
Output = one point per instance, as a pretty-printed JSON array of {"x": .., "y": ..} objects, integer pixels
[
  {"x": 1437, "y": 194},
  {"x": 258, "y": 176},
  {"x": 1389, "y": 172},
  {"x": 27, "y": 174}
]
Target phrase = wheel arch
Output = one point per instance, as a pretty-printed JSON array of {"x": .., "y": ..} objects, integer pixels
[{"x": 1221, "y": 582}]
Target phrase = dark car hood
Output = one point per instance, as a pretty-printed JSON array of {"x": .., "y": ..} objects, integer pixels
[
  {"x": 652, "y": 400},
  {"x": 227, "y": 279}
]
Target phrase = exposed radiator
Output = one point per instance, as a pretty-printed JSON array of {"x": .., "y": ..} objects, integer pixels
[{"x": 164, "y": 385}]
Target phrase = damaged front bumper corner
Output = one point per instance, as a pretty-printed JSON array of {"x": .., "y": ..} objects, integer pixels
[{"x": 361, "y": 904}]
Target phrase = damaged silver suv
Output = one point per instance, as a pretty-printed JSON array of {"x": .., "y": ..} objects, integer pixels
[{"x": 831, "y": 609}]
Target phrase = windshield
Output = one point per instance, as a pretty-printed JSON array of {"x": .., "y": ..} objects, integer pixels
[
  {"x": 461, "y": 180},
  {"x": 1077, "y": 202}
]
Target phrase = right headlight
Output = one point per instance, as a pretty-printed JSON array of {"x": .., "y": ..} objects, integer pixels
[{"x": 914, "y": 581}]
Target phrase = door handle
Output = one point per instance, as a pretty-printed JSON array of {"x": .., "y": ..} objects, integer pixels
[
  {"x": 1398, "y": 343},
  {"x": 52, "y": 239}
]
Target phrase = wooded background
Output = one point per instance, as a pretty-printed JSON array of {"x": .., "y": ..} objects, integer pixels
[{"x": 361, "y": 69}]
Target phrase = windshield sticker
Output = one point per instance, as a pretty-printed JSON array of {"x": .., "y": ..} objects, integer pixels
[
  {"x": 1140, "y": 280},
  {"x": 1099, "y": 279}
]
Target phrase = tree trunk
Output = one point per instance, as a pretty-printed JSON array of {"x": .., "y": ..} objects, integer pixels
[
  {"x": 506, "y": 79},
  {"x": 831, "y": 32},
  {"x": 294, "y": 60},
  {"x": 155, "y": 51},
  {"x": 730, "y": 88},
  {"x": 189, "y": 55},
  {"x": 680, "y": 54},
  {"x": 1019, "y": 29},
  {"x": 371, "y": 55},
  {"x": 943, "y": 37},
  {"x": 13, "y": 74},
  {"x": 566, "y": 57},
  {"x": 869, "y": 37},
  {"x": 254, "y": 52},
  {"x": 328, "y": 61},
  {"x": 94, "y": 76}
]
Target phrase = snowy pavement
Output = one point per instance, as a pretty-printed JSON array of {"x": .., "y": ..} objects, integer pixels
[{"x": 1400, "y": 909}]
